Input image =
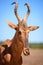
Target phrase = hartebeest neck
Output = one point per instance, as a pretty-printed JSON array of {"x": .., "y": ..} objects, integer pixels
[
  {"x": 17, "y": 47},
  {"x": 17, "y": 40}
]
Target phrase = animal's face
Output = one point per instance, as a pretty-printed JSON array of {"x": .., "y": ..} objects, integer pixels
[{"x": 23, "y": 35}]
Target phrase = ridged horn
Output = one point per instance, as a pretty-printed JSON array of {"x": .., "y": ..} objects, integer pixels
[
  {"x": 15, "y": 11},
  {"x": 28, "y": 12}
]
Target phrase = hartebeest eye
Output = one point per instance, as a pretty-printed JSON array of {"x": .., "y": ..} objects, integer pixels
[{"x": 19, "y": 32}]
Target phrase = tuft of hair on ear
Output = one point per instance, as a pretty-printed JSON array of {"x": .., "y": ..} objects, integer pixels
[
  {"x": 37, "y": 26},
  {"x": 16, "y": 28}
]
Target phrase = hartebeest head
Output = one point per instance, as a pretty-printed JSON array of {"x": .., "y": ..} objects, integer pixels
[{"x": 21, "y": 28}]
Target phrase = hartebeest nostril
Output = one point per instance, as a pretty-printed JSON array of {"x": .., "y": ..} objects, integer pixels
[{"x": 26, "y": 52}]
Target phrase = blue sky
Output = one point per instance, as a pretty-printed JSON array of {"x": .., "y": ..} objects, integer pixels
[{"x": 35, "y": 18}]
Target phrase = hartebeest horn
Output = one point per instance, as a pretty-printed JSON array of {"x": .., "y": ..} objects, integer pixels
[
  {"x": 15, "y": 11},
  {"x": 28, "y": 12}
]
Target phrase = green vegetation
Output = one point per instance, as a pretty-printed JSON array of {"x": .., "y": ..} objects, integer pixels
[
  {"x": 34, "y": 45},
  {"x": 0, "y": 43}
]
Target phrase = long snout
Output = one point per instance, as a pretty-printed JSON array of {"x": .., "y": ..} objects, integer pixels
[{"x": 26, "y": 50}]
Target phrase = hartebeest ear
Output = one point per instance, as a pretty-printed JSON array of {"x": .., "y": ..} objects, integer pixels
[
  {"x": 12, "y": 25},
  {"x": 32, "y": 28}
]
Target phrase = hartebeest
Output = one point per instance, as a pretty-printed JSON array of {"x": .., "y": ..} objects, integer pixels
[{"x": 10, "y": 50}]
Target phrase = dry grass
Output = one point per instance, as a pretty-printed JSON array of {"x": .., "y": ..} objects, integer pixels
[{"x": 35, "y": 58}]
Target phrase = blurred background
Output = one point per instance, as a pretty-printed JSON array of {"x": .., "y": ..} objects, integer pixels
[{"x": 35, "y": 19}]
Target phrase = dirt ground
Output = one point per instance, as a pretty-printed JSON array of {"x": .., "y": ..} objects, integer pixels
[{"x": 35, "y": 57}]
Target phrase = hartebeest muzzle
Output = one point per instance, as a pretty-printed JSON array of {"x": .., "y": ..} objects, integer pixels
[{"x": 26, "y": 49}]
